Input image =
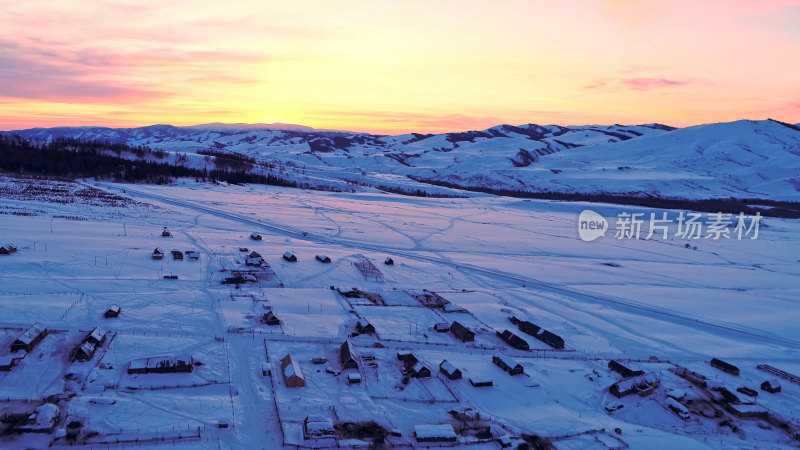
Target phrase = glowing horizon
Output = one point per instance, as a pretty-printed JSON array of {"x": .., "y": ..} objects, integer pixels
[{"x": 398, "y": 67}]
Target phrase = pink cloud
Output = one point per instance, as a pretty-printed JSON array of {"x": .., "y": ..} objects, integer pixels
[{"x": 646, "y": 84}]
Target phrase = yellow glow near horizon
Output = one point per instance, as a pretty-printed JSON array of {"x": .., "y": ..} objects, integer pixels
[{"x": 395, "y": 67}]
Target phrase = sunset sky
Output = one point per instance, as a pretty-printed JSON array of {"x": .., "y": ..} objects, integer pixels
[{"x": 398, "y": 66}]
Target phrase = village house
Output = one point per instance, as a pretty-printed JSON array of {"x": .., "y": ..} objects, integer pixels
[
  {"x": 290, "y": 257},
  {"x": 254, "y": 259},
  {"x": 772, "y": 386},
  {"x": 112, "y": 311},
  {"x": 624, "y": 370},
  {"x": 413, "y": 366},
  {"x": 166, "y": 233},
  {"x": 323, "y": 259},
  {"x": 364, "y": 327},
  {"x": 434, "y": 433},
  {"x": 507, "y": 364},
  {"x": 292, "y": 374},
  {"x": 642, "y": 385},
  {"x": 449, "y": 370},
  {"x": 7, "y": 249},
  {"x": 441, "y": 327},
  {"x": 270, "y": 318},
  {"x": 388, "y": 261},
  {"x": 462, "y": 332},
  {"x": 346, "y": 356},
  {"x": 724, "y": 366},
  {"x": 158, "y": 254},
  {"x": 28, "y": 340},
  {"x": 255, "y": 237},
  {"x": 513, "y": 340},
  {"x": 177, "y": 255}
]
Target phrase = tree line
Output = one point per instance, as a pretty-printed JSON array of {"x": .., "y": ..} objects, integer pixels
[{"x": 74, "y": 158}]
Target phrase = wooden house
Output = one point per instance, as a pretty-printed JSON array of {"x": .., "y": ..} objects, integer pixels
[
  {"x": 347, "y": 358},
  {"x": 7, "y": 249},
  {"x": 177, "y": 255},
  {"x": 292, "y": 374},
  {"x": 638, "y": 384},
  {"x": 772, "y": 386},
  {"x": 724, "y": 366},
  {"x": 112, "y": 311},
  {"x": 388, "y": 261},
  {"x": 449, "y": 370},
  {"x": 323, "y": 259},
  {"x": 507, "y": 364},
  {"x": 270, "y": 318},
  {"x": 290, "y": 257},
  {"x": 158, "y": 254},
  {"x": 7, "y": 362},
  {"x": 364, "y": 327},
  {"x": 624, "y": 370},
  {"x": 435, "y": 433},
  {"x": 166, "y": 233},
  {"x": 255, "y": 237},
  {"x": 462, "y": 332},
  {"x": 513, "y": 340},
  {"x": 28, "y": 340}
]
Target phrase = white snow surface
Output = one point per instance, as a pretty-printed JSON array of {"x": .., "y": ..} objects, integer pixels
[{"x": 489, "y": 257}]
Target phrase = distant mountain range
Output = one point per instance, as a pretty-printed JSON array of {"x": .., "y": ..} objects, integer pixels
[{"x": 744, "y": 159}]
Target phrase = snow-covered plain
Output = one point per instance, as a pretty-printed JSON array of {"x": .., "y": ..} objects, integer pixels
[{"x": 489, "y": 257}]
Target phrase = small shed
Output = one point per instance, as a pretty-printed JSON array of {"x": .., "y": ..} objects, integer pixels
[
  {"x": 481, "y": 382},
  {"x": 435, "y": 433},
  {"x": 364, "y": 327},
  {"x": 177, "y": 255},
  {"x": 270, "y": 318},
  {"x": 449, "y": 370},
  {"x": 346, "y": 356},
  {"x": 28, "y": 340},
  {"x": 7, "y": 249},
  {"x": 289, "y": 256},
  {"x": 112, "y": 311},
  {"x": 166, "y": 233},
  {"x": 7, "y": 362},
  {"x": 323, "y": 259},
  {"x": 353, "y": 377},
  {"x": 772, "y": 386},
  {"x": 724, "y": 366},
  {"x": 256, "y": 237},
  {"x": 507, "y": 364},
  {"x": 388, "y": 261},
  {"x": 191, "y": 254},
  {"x": 292, "y": 374},
  {"x": 158, "y": 254},
  {"x": 462, "y": 332}
]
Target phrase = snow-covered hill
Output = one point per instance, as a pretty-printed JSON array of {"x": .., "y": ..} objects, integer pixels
[{"x": 746, "y": 159}]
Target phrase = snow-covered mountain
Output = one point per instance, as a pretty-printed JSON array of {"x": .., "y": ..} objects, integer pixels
[{"x": 747, "y": 159}]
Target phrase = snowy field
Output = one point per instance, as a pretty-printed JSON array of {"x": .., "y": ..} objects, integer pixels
[{"x": 653, "y": 302}]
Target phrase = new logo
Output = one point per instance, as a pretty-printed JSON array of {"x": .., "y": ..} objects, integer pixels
[{"x": 591, "y": 225}]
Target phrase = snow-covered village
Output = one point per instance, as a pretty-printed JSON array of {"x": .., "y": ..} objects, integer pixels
[{"x": 339, "y": 224}]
